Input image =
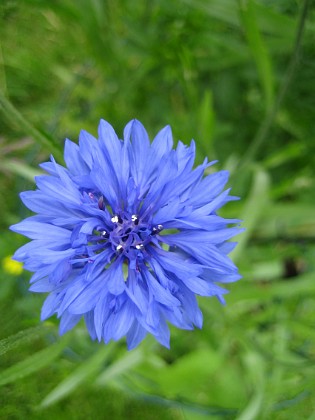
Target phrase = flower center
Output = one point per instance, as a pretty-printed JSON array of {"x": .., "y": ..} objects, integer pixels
[{"x": 128, "y": 235}]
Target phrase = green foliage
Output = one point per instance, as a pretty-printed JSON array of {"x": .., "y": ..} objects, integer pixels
[{"x": 238, "y": 77}]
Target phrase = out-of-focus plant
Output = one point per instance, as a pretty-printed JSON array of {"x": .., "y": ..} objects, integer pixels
[{"x": 237, "y": 76}]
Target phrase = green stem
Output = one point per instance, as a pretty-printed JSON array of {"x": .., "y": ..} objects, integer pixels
[
  {"x": 267, "y": 123},
  {"x": 17, "y": 119}
]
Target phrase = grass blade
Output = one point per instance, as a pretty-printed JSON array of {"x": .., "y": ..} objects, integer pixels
[
  {"x": 21, "y": 338},
  {"x": 33, "y": 363},
  {"x": 258, "y": 49},
  {"x": 87, "y": 369},
  {"x": 16, "y": 119},
  {"x": 20, "y": 168},
  {"x": 120, "y": 366},
  {"x": 254, "y": 206}
]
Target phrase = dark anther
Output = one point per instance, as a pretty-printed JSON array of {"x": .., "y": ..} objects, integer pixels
[
  {"x": 157, "y": 229},
  {"x": 119, "y": 249},
  {"x": 116, "y": 219},
  {"x": 101, "y": 203},
  {"x": 104, "y": 234},
  {"x": 135, "y": 219}
]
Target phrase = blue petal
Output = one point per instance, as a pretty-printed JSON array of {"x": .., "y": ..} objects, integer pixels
[
  {"x": 90, "y": 225},
  {"x": 160, "y": 293},
  {"x": 137, "y": 291},
  {"x": 50, "y": 305},
  {"x": 186, "y": 156},
  {"x": 135, "y": 335},
  {"x": 191, "y": 221},
  {"x": 187, "y": 180},
  {"x": 227, "y": 277},
  {"x": 178, "y": 317},
  {"x": 195, "y": 238},
  {"x": 87, "y": 298},
  {"x": 60, "y": 272},
  {"x": 42, "y": 286},
  {"x": 39, "y": 202},
  {"x": 153, "y": 315},
  {"x": 110, "y": 145},
  {"x": 54, "y": 188},
  {"x": 89, "y": 148},
  {"x": 116, "y": 155},
  {"x": 163, "y": 334},
  {"x": 209, "y": 188},
  {"x": 89, "y": 321},
  {"x": 203, "y": 288},
  {"x": 78, "y": 286},
  {"x": 115, "y": 281},
  {"x": 167, "y": 212},
  {"x": 64, "y": 176},
  {"x": 209, "y": 256},
  {"x": 191, "y": 308},
  {"x": 101, "y": 313},
  {"x": 136, "y": 134},
  {"x": 73, "y": 159},
  {"x": 215, "y": 204},
  {"x": 119, "y": 323},
  {"x": 68, "y": 321},
  {"x": 176, "y": 264},
  {"x": 96, "y": 267},
  {"x": 104, "y": 180},
  {"x": 37, "y": 230},
  {"x": 42, "y": 272},
  {"x": 47, "y": 256},
  {"x": 227, "y": 247},
  {"x": 160, "y": 148},
  {"x": 166, "y": 171},
  {"x": 162, "y": 143}
]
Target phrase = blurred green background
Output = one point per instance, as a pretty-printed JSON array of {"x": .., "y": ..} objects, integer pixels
[{"x": 239, "y": 78}]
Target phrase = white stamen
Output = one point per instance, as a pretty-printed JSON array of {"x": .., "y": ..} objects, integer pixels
[
  {"x": 115, "y": 219},
  {"x": 157, "y": 229}
]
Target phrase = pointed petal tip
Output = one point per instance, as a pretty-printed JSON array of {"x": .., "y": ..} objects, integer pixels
[{"x": 14, "y": 227}]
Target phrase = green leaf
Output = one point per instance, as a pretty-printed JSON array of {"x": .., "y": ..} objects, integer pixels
[
  {"x": 3, "y": 83},
  {"x": 20, "y": 168},
  {"x": 258, "y": 49},
  {"x": 286, "y": 154},
  {"x": 33, "y": 363},
  {"x": 87, "y": 369},
  {"x": 121, "y": 366},
  {"x": 16, "y": 119},
  {"x": 303, "y": 286},
  {"x": 20, "y": 338},
  {"x": 268, "y": 20},
  {"x": 206, "y": 123},
  {"x": 287, "y": 220},
  {"x": 253, "y": 209},
  {"x": 256, "y": 368},
  {"x": 177, "y": 378}
]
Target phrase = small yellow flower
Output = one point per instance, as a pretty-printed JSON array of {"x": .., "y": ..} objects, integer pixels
[{"x": 12, "y": 267}]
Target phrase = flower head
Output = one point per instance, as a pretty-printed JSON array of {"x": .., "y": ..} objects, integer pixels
[{"x": 127, "y": 235}]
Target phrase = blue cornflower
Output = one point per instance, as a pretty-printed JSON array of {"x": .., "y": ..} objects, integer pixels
[{"x": 127, "y": 235}]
